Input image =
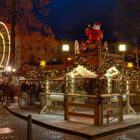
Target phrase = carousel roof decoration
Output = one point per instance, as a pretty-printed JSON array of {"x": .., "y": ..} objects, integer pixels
[
  {"x": 82, "y": 72},
  {"x": 43, "y": 73},
  {"x": 81, "y": 61},
  {"x": 132, "y": 72},
  {"x": 129, "y": 71},
  {"x": 107, "y": 65},
  {"x": 113, "y": 71}
]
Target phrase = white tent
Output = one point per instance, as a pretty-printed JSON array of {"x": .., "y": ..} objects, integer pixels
[
  {"x": 112, "y": 72},
  {"x": 82, "y": 72}
]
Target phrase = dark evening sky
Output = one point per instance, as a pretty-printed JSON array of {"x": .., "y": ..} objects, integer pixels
[{"x": 69, "y": 18}]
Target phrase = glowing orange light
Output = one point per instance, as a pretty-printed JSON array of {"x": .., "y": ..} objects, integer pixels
[{"x": 69, "y": 58}]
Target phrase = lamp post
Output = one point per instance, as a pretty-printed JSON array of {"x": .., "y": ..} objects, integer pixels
[
  {"x": 9, "y": 78},
  {"x": 9, "y": 68},
  {"x": 65, "y": 50},
  {"x": 122, "y": 49},
  {"x": 10, "y": 71}
]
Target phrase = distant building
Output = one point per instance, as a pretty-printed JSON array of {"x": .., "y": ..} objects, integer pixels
[{"x": 31, "y": 49}]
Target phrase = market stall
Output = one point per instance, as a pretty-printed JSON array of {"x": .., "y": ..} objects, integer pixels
[
  {"x": 54, "y": 94},
  {"x": 81, "y": 103}
]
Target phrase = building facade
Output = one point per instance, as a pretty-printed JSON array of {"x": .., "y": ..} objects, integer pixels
[{"x": 33, "y": 48}]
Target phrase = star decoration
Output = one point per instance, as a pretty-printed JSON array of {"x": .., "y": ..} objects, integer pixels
[
  {"x": 43, "y": 63},
  {"x": 130, "y": 65}
]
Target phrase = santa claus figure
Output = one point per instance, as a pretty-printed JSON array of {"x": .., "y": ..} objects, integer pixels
[{"x": 94, "y": 33}]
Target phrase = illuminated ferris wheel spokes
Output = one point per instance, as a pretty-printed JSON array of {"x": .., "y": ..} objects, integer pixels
[{"x": 4, "y": 47}]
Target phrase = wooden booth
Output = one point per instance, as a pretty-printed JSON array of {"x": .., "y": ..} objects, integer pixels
[
  {"x": 120, "y": 91},
  {"x": 54, "y": 94},
  {"x": 79, "y": 99},
  {"x": 99, "y": 98},
  {"x": 82, "y": 93}
]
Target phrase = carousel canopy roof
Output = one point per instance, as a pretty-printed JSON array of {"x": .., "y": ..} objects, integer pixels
[{"x": 82, "y": 72}]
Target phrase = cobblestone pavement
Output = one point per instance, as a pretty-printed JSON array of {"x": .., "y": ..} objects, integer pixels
[
  {"x": 39, "y": 133},
  {"x": 131, "y": 134}
]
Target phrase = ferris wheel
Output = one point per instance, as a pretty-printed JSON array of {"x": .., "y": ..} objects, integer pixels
[{"x": 4, "y": 47}]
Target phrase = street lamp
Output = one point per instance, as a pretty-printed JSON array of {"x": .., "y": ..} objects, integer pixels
[
  {"x": 65, "y": 47},
  {"x": 65, "y": 50},
  {"x": 13, "y": 70},
  {"x": 9, "y": 68},
  {"x": 10, "y": 71},
  {"x": 122, "y": 49}
]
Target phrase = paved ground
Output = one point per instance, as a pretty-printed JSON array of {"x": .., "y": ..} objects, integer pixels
[
  {"x": 42, "y": 133},
  {"x": 130, "y": 134},
  {"x": 78, "y": 126},
  {"x": 20, "y": 128}
]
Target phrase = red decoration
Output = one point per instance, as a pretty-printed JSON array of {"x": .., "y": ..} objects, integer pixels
[{"x": 94, "y": 33}]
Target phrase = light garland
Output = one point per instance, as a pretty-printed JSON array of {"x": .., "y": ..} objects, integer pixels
[
  {"x": 4, "y": 47},
  {"x": 3, "y": 54},
  {"x": 44, "y": 72}
]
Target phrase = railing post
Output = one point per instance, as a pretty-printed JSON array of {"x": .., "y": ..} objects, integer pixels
[
  {"x": 29, "y": 129},
  {"x": 120, "y": 97},
  {"x": 66, "y": 109}
]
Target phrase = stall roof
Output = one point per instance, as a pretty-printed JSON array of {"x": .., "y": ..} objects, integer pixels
[
  {"x": 50, "y": 78},
  {"x": 112, "y": 72},
  {"x": 82, "y": 72}
]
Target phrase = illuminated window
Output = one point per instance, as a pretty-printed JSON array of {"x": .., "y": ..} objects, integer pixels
[
  {"x": 65, "y": 48},
  {"x": 38, "y": 48},
  {"x": 30, "y": 48},
  {"x": 122, "y": 47}
]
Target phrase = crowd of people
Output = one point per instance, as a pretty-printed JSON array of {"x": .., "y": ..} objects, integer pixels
[
  {"x": 27, "y": 91},
  {"x": 8, "y": 91},
  {"x": 32, "y": 89}
]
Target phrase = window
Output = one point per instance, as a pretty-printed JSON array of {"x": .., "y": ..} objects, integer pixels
[
  {"x": 38, "y": 48},
  {"x": 32, "y": 60},
  {"x": 30, "y": 48},
  {"x": 46, "y": 48}
]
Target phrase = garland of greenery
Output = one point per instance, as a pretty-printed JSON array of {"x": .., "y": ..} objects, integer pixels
[{"x": 43, "y": 72}]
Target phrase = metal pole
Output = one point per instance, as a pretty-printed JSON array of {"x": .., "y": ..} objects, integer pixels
[
  {"x": 29, "y": 129},
  {"x": 123, "y": 62},
  {"x": 47, "y": 94},
  {"x": 121, "y": 91},
  {"x": 121, "y": 99},
  {"x": 100, "y": 55},
  {"x": 137, "y": 58}
]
